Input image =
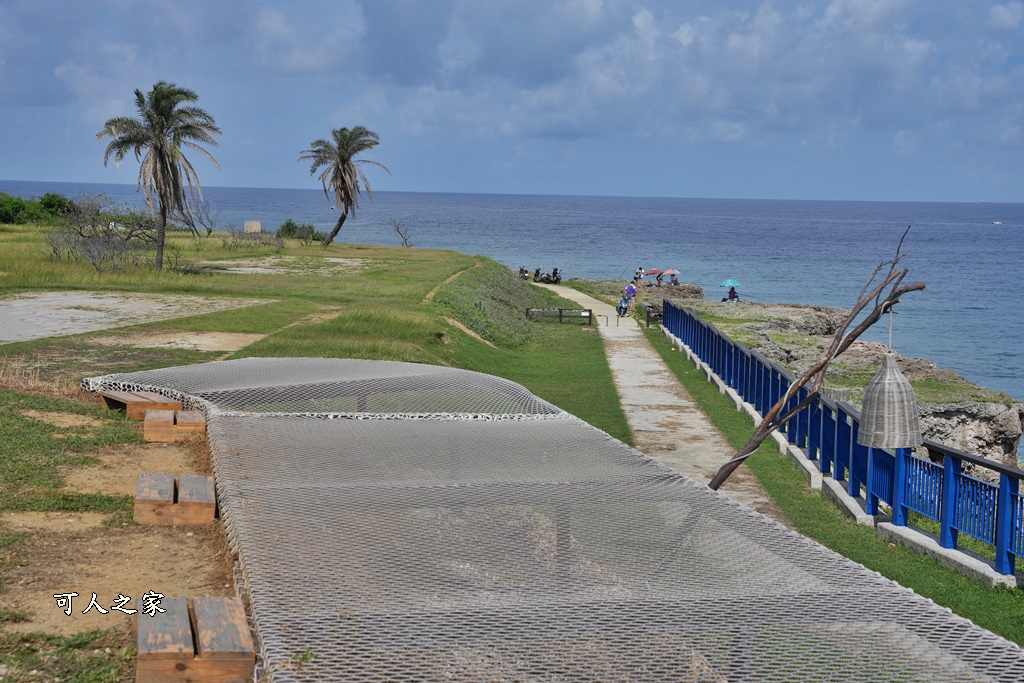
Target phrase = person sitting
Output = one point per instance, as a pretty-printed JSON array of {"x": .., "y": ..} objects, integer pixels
[
  {"x": 672, "y": 279},
  {"x": 733, "y": 294}
]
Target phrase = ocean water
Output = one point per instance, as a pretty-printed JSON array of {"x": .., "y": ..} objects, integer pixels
[{"x": 970, "y": 317}]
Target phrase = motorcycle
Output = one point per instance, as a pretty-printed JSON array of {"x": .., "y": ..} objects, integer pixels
[
  {"x": 623, "y": 306},
  {"x": 524, "y": 274}
]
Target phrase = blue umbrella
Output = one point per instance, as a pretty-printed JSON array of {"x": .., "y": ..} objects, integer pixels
[{"x": 730, "y": 283}]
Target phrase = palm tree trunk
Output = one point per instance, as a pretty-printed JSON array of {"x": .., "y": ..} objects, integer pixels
[
  {"x": 161, "y": 235},
  {"x": 337, "y": 227}
]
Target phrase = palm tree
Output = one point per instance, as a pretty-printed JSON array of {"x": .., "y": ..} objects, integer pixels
[
  {"x": 167, "y": 123},
  {"x": 342, "y": 173}
]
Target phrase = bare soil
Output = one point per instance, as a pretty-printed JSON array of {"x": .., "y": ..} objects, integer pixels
[{"x": 75, "y": 552}]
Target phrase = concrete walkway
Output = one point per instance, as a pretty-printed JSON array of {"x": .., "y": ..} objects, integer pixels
[{"x": 666, "y": 423}]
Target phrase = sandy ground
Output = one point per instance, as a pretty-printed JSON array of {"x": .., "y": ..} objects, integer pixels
[{"x": 287, "y": 265}]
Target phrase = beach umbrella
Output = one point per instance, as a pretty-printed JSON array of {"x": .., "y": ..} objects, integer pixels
[
  {"x": 673, "y": 271},
  {"x": 730, "y": 283},
  {"x": 654, "y": 271}
]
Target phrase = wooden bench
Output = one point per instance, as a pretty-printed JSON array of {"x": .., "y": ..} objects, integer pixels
[
  {"x": 563, "y": 314},
  {"x": 187, "y": 499},
  {"x": 136, "y": 403},
  {"x": 170, "y": 426},
  {"x": 205, "y": 642}
]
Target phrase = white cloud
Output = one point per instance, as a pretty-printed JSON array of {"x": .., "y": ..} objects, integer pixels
[
  {"x": 291, "y": 43},
  {"x": 1006, "y": 17},
  {"x": 903, "y": 143}
]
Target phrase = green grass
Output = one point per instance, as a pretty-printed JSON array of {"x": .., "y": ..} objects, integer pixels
[
  {"x": 379, "y": 310},
  {"x": 382, "y": 314},
  {"x": 89, "y": 657},
  {"x": 32, "y": 452},
  {"x": 1001, "y": 610}
]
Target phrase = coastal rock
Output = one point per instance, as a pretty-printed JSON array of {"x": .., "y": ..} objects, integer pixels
[
  {"x": 990, "y": 430},
  {"x": 681, "y": 291},
  {"x": 795, "y": 336}
]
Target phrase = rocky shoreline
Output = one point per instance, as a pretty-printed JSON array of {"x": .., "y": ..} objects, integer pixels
[{"x": 954, "y": 411}]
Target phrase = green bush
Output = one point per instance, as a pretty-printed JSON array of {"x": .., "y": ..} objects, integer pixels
[
  {"x": 44, "y": 211},
  {"x": 299, "y": 231}
]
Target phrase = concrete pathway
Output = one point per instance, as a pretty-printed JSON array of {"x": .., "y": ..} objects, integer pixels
[{"x": 666, "y": 422}]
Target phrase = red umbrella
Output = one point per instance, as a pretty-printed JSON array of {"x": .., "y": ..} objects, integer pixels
[
  {"x": 673, "y": 271},
  {"x": 654, "y": 271}
]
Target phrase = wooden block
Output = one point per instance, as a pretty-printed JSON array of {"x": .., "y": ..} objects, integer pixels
[
  {"x": 148, "y": 400},
  {"x": 159, "y": 426},
  {"x": 222, "y": 632},
  {"x": 116, "y": 400},
  {"x": 209, "y": 643},
  {"x": 166, "y": 636},
  {"x": 154, "y": 498},
  {"x": 197, "y": 500},
  {"x": 190, "y": 422}
]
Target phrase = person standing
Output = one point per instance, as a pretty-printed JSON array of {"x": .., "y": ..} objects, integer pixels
[
  {"x": 639, "y": 275},
  {"x": 631, "y": 293}
]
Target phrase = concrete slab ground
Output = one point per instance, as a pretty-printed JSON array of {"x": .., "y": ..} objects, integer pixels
[
  {"x": 667, "y": 424},
  {"x": 37, "y": 315}
]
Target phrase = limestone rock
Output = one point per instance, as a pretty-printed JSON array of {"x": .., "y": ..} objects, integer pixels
[{"x": 990, "y": 430}]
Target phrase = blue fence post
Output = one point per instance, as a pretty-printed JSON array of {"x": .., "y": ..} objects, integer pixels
[
  {"x": 871, "y": 500},
  {"x": 1005, "y": 523},
  {"x": 814, "y": 431},
  {"x": 948, "y": 534},
  {"x": 899, "y": 486},
  {"x": 828, "y": 438}
]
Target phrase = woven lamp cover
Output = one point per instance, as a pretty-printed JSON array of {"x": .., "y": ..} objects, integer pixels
[{"x": 889, "y": 418}]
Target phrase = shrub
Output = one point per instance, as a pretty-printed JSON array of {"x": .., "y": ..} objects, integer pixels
[
  {"x": 108, "y": 237},
  {"x": 301, "y": 231},
  {"x": 46, "y": 210}
]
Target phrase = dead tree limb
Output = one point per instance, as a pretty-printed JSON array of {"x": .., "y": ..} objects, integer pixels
[{"x": 882, "y": 295}]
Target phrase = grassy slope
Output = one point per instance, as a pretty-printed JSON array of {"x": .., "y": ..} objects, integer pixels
[{"x": 378, "y": 312}]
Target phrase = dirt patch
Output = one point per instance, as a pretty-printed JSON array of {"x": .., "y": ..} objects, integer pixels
[
  {"x": 110, "y": 562},
  {"x": 64, "y": 420},
  {"x": 195, "y": 341},
  {"x": 471, "y": 333},
  {"x": 326, "y": 314},
  {"x": 431, "y": 293},
  {"x": 288, "y": 265},
  {"x": 52, "y": 521},
  {"x": 73, "y": 552},
  {"x": 117, "y": 473}
]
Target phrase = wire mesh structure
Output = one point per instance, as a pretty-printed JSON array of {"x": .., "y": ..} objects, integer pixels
[{"x": 450, "y": 526}]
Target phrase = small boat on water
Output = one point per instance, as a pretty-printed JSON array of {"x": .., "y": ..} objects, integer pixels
[{"x": 997, "y": 222}]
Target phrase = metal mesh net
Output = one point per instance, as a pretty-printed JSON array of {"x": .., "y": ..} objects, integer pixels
[{"x": 449, "y": 544}]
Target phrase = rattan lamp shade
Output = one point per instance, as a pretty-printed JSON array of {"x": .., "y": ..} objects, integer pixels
[{"x": 889, "y": 418}]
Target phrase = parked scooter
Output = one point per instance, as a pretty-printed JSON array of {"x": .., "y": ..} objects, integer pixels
[
  {"x": 623, "y": 306},
  {"x": 524, "y": 274},
  {"x": 552, "y": 278}
]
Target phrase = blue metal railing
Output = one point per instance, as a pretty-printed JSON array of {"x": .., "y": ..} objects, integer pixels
[{"x": 826, "y": 431}]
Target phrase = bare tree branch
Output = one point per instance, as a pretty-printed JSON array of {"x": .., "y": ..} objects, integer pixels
[{"x": 872, "y": 292}]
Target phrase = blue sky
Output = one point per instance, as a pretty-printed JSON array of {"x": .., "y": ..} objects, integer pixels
[{"x": 841, "y": 99}]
